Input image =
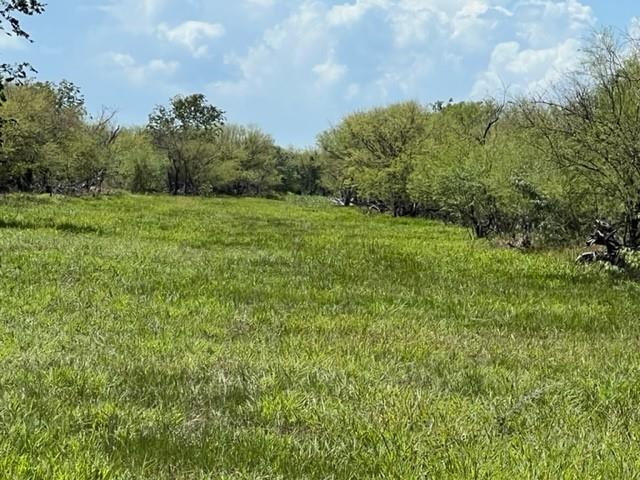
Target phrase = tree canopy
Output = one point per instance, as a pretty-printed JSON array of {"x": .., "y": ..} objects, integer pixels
[{"x": 185, "y": 130}]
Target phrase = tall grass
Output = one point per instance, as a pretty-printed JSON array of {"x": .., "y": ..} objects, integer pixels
[{"x": 184, "y": 338}]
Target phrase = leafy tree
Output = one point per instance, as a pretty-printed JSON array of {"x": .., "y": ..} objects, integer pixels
[
  {"x": 374, "y": 153},
  {"x": 458, "y": 174},
  {"x": 257, "y": 164},
  {"x": 140, "y": 167},
  {"x": 185, "y": 130},
  {"x": 52, "y": 144},
  {"x": 36, "y": 144},
  {"x": 245, "y": 162},
  {"x": 302, "y": 171},
  {"x": 10, "y": 25},
  {"x": 590, "y": 126}
]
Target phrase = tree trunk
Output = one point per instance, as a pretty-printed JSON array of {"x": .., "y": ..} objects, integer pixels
[
  {"x": 634, "y": 231},
  {"x": 347, "y": 197}
]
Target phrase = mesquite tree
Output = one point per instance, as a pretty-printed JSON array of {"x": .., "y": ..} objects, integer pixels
[
  {"x": 372, "y": 155},
  {"x": 185, "y": 130},
  {"x": 590, "y": 125}
]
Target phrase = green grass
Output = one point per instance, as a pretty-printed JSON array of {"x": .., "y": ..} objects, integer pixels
[{"x": 184, "y": 338}]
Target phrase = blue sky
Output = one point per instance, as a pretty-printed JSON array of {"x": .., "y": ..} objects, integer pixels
[{"x": 294, "y": 68}]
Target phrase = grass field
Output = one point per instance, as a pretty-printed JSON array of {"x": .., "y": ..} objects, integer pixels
[{"x": 184, "y": 338}]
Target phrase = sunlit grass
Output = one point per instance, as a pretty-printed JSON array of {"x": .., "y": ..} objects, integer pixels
[{"x": 164, "y": 338}]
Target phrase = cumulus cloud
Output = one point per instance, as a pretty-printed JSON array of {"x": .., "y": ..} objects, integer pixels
[
  {"x": 543, "y": 23},
  {"x": 471, "y": 24},
  {"x": 192, "y": 35},
  {"x": 525, "y": 41},
  {"x": 350, "y": 13},
  {"x": 140, "y": 74},
  {"x": 346, "y": 54},
  {"x": 414, "y": 40},
  {"x": 329, "y": 72},
  {"x": 526, "y": 70},
  {"x": 291, "y": 51},
  {"x": 545, "y": 44},
  {"x": 414, "y": 21},
  {"x": 139, "y": 16}
]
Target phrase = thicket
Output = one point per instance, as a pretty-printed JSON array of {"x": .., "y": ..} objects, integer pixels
[
  {"x": 474, "y": 163},
  {"x": 537, "y": 169}
]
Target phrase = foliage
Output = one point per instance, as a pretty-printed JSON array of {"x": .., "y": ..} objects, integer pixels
[
  {"x": 9, "y": 21},
  {"x": 51, "y": 144},
  {"x": 10, "y": 25},
  {"x": 537, "y": 170},
  {"x": 590, "y": 125},
  {"x": 185, "y": 130},
  {"x": 373, "y": 152},
  {"x": 245, "y": 162},
  {"x": 302, "y": 171},
  {"x": 141, "y": 168}
]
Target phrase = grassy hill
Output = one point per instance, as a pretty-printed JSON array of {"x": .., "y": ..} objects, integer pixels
[{"x": 184, "y": 338}]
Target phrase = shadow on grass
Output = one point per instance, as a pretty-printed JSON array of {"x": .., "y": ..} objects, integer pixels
[{"x": 62, "y": 226}]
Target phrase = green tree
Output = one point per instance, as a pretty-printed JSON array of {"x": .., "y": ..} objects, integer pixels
[
  {"x": 458, "y": 173},
  {"x": 245, "y": 162},
  {"x": 10, "y": 25},
  {"x": 185, "y": 130},
  {"x": 302, "y": 170},
  {"x": 52, "y": 143},
  {"x": 141, "y": 168},
  {"x": 373, "y": 154},
  {"x": 590, "y": 126},
  {"x": 36, "y": 145}
]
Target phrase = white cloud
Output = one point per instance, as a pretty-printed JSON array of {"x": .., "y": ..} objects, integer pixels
[
  {"x": 192, "y": 35},
  {"x": 476, "y": 21},
  {"x": 329, "y": 72},
  {"x": 123, "y": 60},
  {"x": 544, "y": 43},
  {"x": 424, "y": 34},
  {"x": 543, "y": 23},
  {"x": 140, "y": 74},
  {"x": 350, "y": 13},
  {"x": 149, "y": 7},
  {"x": 350, "y": 54},
  {"x": 288, "y": 52},
  {"x": 413, "y": 21},
  {"x": 138, "y": 16},
  {"x": 526, "y": 70}
]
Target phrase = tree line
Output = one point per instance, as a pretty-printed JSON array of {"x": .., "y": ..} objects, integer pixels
[{"x": 51, "y": 144}]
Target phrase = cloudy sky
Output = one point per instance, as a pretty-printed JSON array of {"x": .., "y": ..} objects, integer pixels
[{"x": 295, "y": 67}]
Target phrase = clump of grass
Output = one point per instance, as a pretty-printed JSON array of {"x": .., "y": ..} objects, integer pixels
[{"x": 247, "y": 338}]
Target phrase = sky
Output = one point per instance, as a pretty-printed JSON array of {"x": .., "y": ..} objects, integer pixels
[{"x": 295, "y": 68}]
